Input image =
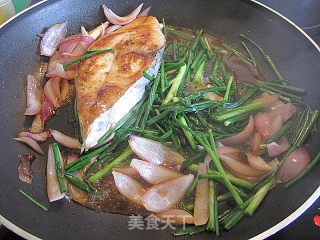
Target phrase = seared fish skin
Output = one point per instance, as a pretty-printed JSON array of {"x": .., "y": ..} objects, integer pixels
[{"x": 109, "y": 84}]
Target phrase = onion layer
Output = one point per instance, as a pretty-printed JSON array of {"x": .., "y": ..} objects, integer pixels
[
  {"x": 293, "y": 165},
  {"x": 34, "y": 95},
  {"x": 262, "y": 122},
  {"x": 115, "y": 19},
  {"x": 286, "y": 110},
  {"x": 53, "y": 187},
  {"x": 154, "y": 151},
  {"x": 32, "y": 143},
  {"x": 39, "y": 137},
  {"x": 241, "y": 137},
  {"x": 65, "y": 140},
  {"x": 257, "y": 162},
  {"x": 165, "y": 195},
  {"x": 274, "y": 149},
  {"x": 152, "y": 173},
  {"x": 52, "y": 38},
  {"x": 201, "y": 203},
  {"x": 268, "y": 100},
  {"x": 129, "y": 187},
  {"x": 129, "y": 171}
]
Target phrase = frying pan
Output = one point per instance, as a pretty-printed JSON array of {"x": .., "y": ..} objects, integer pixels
[{"x": 296, "y": 56}]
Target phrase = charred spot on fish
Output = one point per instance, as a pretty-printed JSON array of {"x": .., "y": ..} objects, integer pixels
[
  {"x": 108, "y": 90},
  {"x": 128, "y": 42}
]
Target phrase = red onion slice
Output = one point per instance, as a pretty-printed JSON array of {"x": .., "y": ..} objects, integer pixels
[
  {"x": 68, "y": 46},
  {"x": 50, "y": 92},
  {"x": 262, "y": 122},
  {"x": 241, "y": 137},
  {"x": 201, "y": 203},
  {"x": 255, "y": 142},
  {"x": 32, "y": 143},
  {"x": 294, "y": 164},
  {"x": 227, "y": 150},
  {"x": 286, "y": 110},
  {"x": 112, "y": 29},
  {"x": 39, "y": 137},
  {"x": 268, "y": 100},
  {"x": 129, "y": 171},
  {"x": 65, "y": 140},
  {"x": 65, "y": 89},
  {"x": 274, "y": 149},
  {"x": 52, "y": 38},
  {"x": 273, "y": 164},
  {"x": 99, "y": 31},
  {"x": 276, "y": 124},
  {"x": 257, "y": 162},
  {"x": 47, "y": 110},
  {"x": 152, "y": 173},
  {"x": 60, "y": 72},
  {"x": 145, "y": 12},
  {"x": 34, "y": 95},
  {"x": 86, "y": 38},
  {"x": 165, "y": 195},
  {"x": 24, "y": 169},
  {"x": 53, "y": 186},
  {"x": 115, "y": 19},
  {"x": 239, "y": 168},
  {"x": 129, "y": 187},
  {"x": 154, "y": 151},
  {"x": 176, "y": 215}
]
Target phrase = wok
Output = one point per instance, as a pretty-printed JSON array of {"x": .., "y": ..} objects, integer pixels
[{"x": 296, "y": 56}]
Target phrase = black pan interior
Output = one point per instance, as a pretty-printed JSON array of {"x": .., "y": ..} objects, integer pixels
[{"x": 297, "y": 58}]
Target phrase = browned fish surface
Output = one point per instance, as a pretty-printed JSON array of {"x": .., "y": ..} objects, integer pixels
[{"x": 103, "y": 78}]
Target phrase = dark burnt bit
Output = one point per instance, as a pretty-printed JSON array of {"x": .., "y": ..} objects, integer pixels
[{"x": 108, "y": 90}]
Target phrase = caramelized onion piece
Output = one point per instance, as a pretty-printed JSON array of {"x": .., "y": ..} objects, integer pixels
[
  {"x": 241, "y": 137},
  {"x": 53, "y": 187},
  {"x": 294, "y": 164},
  {"x": 153, "y": 151},
  {"x": 201, "y": 203},
  {"x": 152, "y": 173},
  {"x": 32, "y": 143},
  {"x": 65, "y": 140},
  {"x": 37, "y": 124},
  {"x": 176, "y": 215},
  {"x": 257, "y": 162},
  {"x": 24, "y": 169},
  {"x": 129, "y": 187},
  {"x": 165, "y": 195}
]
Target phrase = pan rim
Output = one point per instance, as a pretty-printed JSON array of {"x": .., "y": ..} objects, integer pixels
[{"x": 267, "y": 233}]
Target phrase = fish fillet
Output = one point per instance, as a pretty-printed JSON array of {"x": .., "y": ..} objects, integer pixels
[{"x": 109, "y": 85}]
